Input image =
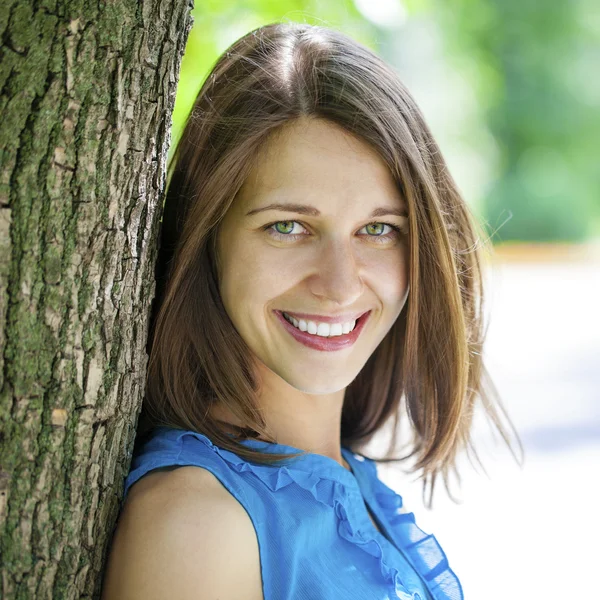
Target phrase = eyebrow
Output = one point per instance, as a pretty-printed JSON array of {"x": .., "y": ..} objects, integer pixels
[{"x": 305, "y": 209}]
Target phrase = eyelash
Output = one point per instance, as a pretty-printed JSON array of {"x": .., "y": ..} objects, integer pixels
[{"x": 287, "y": 236}]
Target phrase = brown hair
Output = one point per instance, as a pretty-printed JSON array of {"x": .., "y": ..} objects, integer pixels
[{"x": 432, "y": 355}]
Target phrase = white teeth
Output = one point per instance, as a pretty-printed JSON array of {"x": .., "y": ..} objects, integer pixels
[{"x": 321, "y": 329}]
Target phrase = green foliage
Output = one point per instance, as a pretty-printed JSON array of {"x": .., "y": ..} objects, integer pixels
[{"x": 536, "y": 76}]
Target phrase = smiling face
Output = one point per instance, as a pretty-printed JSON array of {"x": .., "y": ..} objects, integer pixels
[{"x": 333, "y": 259}]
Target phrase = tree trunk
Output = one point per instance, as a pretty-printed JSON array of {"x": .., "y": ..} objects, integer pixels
[{"x": 86, "y": 95}]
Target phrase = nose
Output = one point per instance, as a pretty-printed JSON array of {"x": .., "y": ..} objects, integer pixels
[{"x": 337, "y": 279}]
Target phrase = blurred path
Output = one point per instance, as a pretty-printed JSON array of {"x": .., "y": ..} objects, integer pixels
[{"x": 530, "y": 533}]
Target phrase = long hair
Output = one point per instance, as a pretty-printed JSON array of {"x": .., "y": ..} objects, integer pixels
[{"x": 429, "y": 363}]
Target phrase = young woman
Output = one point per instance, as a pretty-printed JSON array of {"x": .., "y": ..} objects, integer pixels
[{"x": 322, "y": 275}]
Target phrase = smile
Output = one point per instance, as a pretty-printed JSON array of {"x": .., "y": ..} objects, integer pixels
[
  {"x": 323, "y": 336},
  {"x": 321, "y": 329}
]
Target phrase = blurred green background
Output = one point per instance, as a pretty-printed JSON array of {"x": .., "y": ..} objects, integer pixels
[{"x": 510, "y": 89}]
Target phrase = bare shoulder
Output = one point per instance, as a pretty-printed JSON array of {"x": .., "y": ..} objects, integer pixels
[{"x": 181, "y": 534}]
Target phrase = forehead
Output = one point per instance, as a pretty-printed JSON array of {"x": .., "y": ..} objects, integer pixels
[{"x": 313, "y": 159}]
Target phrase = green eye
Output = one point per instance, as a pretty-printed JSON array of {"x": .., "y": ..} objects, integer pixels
[
  {"x": 282, "y": 230},
  {"x": 377, "y": 226},
  {"x": 290, "y": 223}
]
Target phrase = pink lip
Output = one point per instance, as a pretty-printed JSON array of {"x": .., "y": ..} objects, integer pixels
[{"x": 325, "y": 344}]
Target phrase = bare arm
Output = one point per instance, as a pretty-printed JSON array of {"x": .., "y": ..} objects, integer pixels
[{"x": 183, "y": 535}]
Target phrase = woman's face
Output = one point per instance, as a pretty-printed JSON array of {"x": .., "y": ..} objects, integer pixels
[{"x": 331, "y": 258}]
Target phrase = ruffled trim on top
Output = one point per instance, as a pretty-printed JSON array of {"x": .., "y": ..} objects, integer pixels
[
  {"x": 371, "y": 546},
  {"x": 422, "y": 549},
  {"x": 333, "y": 493}
]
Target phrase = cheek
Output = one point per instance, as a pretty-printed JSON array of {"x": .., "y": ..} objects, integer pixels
[
  {"x": 389, "y": 275},
  {"x": 251, "y": 275}
]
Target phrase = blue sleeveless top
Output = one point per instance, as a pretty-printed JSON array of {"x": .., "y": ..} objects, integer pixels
[{"x": 314, "y": 533}]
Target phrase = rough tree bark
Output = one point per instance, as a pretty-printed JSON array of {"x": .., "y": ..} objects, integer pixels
[{"x": 86, "y": 96}]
